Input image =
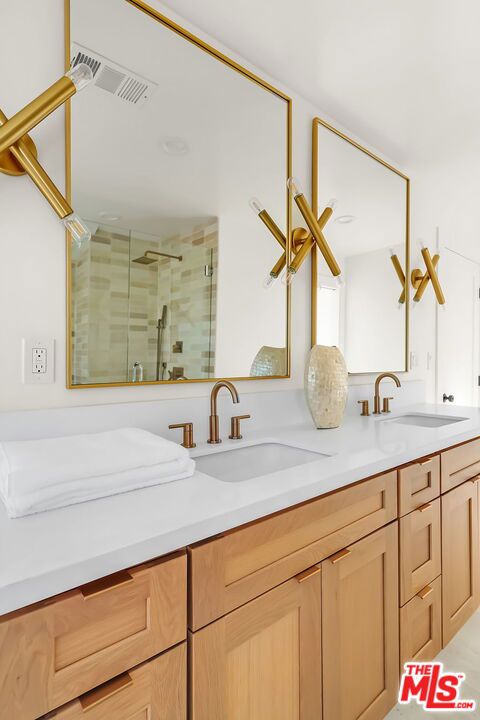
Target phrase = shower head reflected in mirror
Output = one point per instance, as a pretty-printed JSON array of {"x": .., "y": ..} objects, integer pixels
[{"x": 147, "y": 259}]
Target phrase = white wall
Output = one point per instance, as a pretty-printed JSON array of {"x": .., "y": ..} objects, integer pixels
[{"x": 32, "y": 267}]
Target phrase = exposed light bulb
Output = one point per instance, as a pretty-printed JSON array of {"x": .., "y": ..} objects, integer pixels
[
  {"x": 294, "y": 186},
  {"x": 269, "y": 281},
  {"x": 256, "y": 205},
  {"x": 77, "y": 229},
  {"x": 80, "y": 75},
  {"x": 332, "y": 203},
  {"x": 288, "y": 276},
  {"x": 340, "y": 280}
]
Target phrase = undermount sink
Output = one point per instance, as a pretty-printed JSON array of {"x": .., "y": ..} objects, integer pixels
[
  {"x": 425, "y": 420},
  {"x": 252, "y": 461}
]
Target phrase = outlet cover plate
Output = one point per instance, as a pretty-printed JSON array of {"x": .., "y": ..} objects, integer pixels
[{"x": 38, "y": 366}]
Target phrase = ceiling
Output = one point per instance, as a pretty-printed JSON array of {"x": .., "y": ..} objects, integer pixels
[{"x": 401, "y": 74}]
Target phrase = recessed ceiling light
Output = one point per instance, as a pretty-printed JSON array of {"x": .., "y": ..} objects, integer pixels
[
  {"x": 345, "y": 219},
  {"x": 109, "y": 217},
  {"x": 174, "y": 146}
]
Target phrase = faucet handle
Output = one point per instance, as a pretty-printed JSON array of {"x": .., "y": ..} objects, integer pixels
[
  {"x": 365, "y": 407},
  {"x": 386, "y": 404},
  {"x": 187, "y": 434},
  {"x": 235, "y": 426}
]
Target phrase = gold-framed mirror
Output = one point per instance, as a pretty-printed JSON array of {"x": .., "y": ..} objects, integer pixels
[
  {"x": 367, "y": 313},
  {"x": 165, "y": 149}
]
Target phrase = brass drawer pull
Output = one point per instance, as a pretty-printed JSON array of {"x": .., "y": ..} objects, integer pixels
[
  {"x": 475, "y": 479},
  {"x": 105, "y": 584},
  {"x": 425, "y": 462},
  {"x": 105, "y": 691},
  {"x": 340, "y": 556},
  {"x": 427, "y": 590},
  {"x": 427, "y": 506},
  {"x": 307, "y": 574}
]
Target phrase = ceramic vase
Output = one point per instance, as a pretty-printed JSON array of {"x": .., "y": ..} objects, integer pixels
[
  {"x": 269, "y": 361},
  {"x": 326, "y": 386}
]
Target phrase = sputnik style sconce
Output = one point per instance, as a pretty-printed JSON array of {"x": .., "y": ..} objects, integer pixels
[
  {"x": 302, "y": 240},
  {"x": 420, "y": 280},
  {"x": 18, "y": 153}
]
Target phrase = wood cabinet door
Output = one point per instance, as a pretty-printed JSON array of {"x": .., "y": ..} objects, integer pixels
[
  {"x": 263, "y": 660},
  {"x": 420, "y": 549},
  {"x": 360, "y": 621},
  {"x": 460, "y": 557},
  {"x": 421, "y": 625}
]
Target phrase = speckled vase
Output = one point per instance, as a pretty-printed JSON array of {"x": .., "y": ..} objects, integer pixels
[
  {"x": 326, "y": 386},
  {"x": 269, "y": 361}
]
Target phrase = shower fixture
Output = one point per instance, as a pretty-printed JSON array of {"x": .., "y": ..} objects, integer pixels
[
  {"x": 145, "y": 259},
  {"x": 18, "y": 153}
]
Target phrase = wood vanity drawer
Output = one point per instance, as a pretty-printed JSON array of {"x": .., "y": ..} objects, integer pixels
[
  {"x": 418, "y": 484},
  {"x": 155, "y": 690},
  {"x": 459, "y": 464},
  {"x": 420, "y": 549},
  {"x": 230, "y": 570},
  {"x": 421, "y": 625},
  {"x": 57, "y": 650}
]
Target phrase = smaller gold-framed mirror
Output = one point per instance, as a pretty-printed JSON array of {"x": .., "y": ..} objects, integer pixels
[{"x": 366, "y": 314}]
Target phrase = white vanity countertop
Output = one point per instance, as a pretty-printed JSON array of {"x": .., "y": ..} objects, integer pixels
[{"x": 49, "y": 553}]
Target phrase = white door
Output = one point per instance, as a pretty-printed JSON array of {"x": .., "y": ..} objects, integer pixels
[{"x": 458, "y": 330}]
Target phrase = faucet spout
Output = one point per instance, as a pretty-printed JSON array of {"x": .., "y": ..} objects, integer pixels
[
  {"x": 376, "y": 399},
  {"x": 214, "y": 423}
]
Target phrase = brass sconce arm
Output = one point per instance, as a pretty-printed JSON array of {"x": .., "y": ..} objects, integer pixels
[
  {"x": 18, "y": 154},
  {"x": 420, "y": 280},
  {"x": 400, "y": 274},
  {"x": 267, "y": 220}
]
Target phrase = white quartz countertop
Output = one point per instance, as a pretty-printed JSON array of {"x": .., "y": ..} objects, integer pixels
[{"x": 49, "y": 553}]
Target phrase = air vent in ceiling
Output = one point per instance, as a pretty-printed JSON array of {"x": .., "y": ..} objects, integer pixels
[{"x": 115, "y": 79}]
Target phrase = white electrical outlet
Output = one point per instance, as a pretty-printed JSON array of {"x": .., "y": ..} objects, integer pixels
[{"x": 38, "y": 360}]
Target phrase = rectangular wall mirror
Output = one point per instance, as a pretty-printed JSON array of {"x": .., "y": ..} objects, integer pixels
[
  {"x": 165, "y": 149},
  {"x": 367, "y": 313}
]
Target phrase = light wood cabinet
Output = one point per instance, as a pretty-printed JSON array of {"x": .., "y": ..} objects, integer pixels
[
  {"x": 360, "y": 621},
  {"x": 418, "y": 483},
  {"x": 53, "y": 652},
  {"x": 460, "y": 557},
  {"x": 263, "y": 660},
  {"x": 420, "y": 549},
  {"x": 156, "y": 690},
  {"x": 421, "y": 625},
  {"x": 459, "y": 464},
  {"x": 230, "y": 570}
]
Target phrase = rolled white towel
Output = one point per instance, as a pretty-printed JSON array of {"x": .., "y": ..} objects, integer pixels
[{"x": 38, "y": 475}]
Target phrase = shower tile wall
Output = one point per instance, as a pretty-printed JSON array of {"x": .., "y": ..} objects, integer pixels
[
  {"x": 100, "y": 308},
  {"x": 116, "y": 305},
  {"x": 190, "y": 297}
]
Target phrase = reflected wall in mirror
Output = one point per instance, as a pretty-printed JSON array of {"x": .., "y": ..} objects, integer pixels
[
  {"x": 166, "y": 148},
  {"x": 367, "y": 314}
]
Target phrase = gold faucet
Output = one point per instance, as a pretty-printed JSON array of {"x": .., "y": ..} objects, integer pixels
[
  {"x": 376, "y": 399},
  {"x": 214, "y": 424}
]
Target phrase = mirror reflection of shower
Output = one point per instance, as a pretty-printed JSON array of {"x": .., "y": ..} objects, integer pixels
[{"x": 143, "y": 306}]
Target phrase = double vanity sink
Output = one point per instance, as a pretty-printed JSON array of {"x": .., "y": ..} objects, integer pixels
[{"x": 258, "y": 459}]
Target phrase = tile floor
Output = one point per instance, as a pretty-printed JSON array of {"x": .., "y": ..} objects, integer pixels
[{"x": 462, "y": 654}]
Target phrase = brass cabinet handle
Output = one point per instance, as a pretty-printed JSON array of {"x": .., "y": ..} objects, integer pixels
[
  {"x": 422, "y": 508},
  {"x": 475, "y": 479},
  {"x": 306, "y": 574},
  {"x": 425, "y": 462},
  {"x": 105, "y": 691},
  {"x": 340, "y": 556},
  {"x": 235, "y": 426},
  {"x": 427, "y": 590},
  {"x": 97, "y": 587},
  {"x": 187, "y": 441}
]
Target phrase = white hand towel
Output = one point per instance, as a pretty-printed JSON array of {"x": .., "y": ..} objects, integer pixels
[{"x": 37, "y": 475}]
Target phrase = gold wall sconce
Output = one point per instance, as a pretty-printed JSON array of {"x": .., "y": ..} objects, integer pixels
[
  {"x": 303, "y": 240},
  {"x": 420, "y": 280},
  {"x": 18, "y": 153}
]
